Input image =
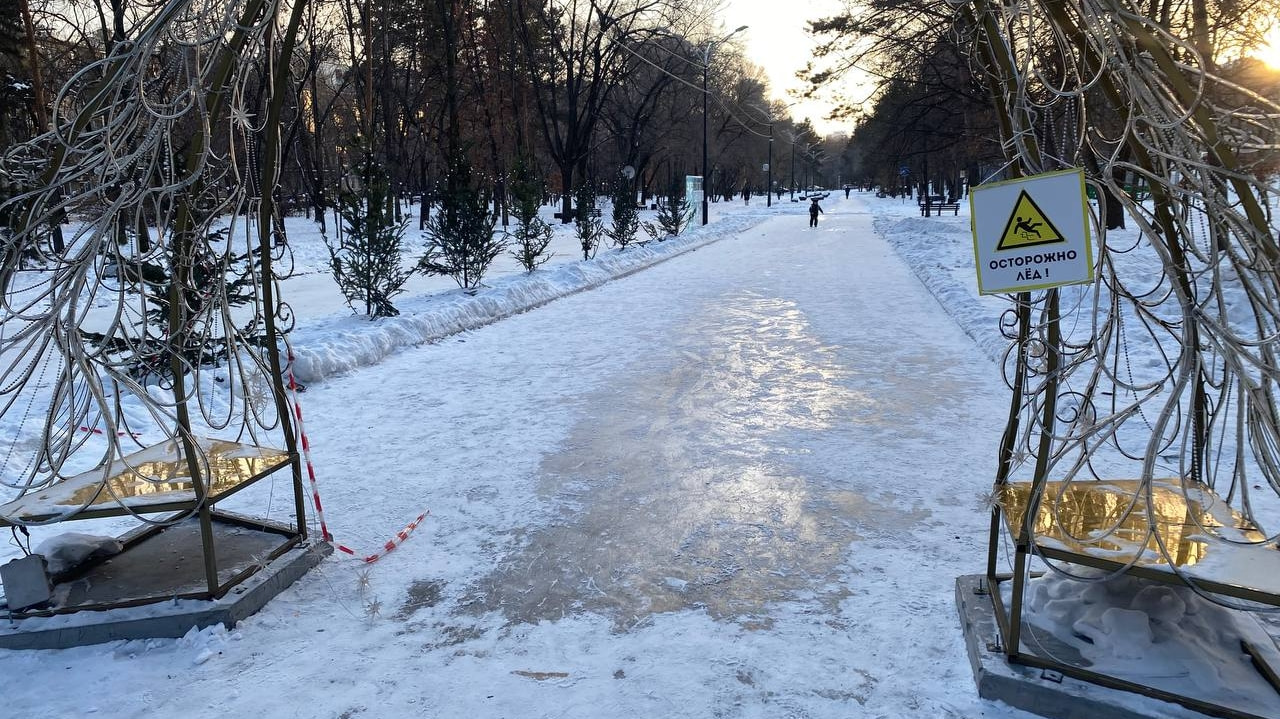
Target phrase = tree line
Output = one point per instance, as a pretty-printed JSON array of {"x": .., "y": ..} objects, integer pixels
[
  {"x": 933, "y": 118},
  {"x": 453, "y": 96}
]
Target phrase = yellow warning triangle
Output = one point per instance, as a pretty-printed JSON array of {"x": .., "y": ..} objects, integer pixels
[{"x": 1028, "y": 226}]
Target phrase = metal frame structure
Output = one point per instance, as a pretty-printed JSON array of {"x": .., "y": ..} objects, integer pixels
[
  {"x": 183, "y": 74},
  {"x": 1205, "y": 222},
  {"x": 1010, "y": 620},
  {"x": 175, "y": 494}
]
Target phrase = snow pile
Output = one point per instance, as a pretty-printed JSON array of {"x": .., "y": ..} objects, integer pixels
[
  {"x": 337, "y": 345},
  {"x": 204, "y": 644},
  {"x": 1161, "y": 635}
]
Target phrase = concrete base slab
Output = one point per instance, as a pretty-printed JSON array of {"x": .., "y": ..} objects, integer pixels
[
  {"x": 168, "y": 618},
  {"x": 1046, "y": 693}
]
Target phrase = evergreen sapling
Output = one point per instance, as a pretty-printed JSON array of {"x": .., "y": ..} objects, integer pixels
[
  {"x": 674, "y": 214},
  {"x": 589, "y": 227},
  {"x": 367, "y": 261},
  {"x": 460, "y": 239},
  {"x": 626, "y": 220},
  {"x": 532, "y": 235}
]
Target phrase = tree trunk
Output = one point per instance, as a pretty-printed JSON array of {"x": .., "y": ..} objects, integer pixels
[
  {"x": 566, "y": 194},
  {"x": 40, "y": 109}
]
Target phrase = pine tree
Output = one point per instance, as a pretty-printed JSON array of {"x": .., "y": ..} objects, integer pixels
[
  {"x": 366, "y": 261},
  {"x": 460, "y": 238},
  {"x": 625, "y": 218},
  {"x": 589, "y": 228},
  {"x": 674, "y": 214},
  {"x": 203, "y": 279},
  {"x": 532, "y": 235}
]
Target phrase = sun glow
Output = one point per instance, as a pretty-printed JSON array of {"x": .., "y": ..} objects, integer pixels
[{"x": 1269, "y": 51}]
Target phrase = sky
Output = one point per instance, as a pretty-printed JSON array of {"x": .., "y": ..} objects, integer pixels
[
  {"x": 688, "y": 491},
  {"x": 776, "y": 40}
]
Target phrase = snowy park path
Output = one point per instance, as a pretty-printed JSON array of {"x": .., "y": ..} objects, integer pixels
[{"x": 738, "y": 484}]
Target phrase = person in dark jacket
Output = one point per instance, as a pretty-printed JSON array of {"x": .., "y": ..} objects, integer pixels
[{"x": 814, "y": 209}]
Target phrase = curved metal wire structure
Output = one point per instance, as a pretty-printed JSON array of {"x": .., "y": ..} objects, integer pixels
[
  {"x": 1108, "y": 89},
  {"x": 1167, "y": 365},
  {"x": 159, "y": 317}
]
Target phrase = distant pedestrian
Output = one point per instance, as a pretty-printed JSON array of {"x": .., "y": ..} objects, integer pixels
[
  {"x": 814, "y": 209},
  {"x": 846, "y": 192},
  {"x": 746, "y": 195}
]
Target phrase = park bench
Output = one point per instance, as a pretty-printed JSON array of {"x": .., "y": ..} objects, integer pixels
[
  {"x": 595, "y": 212},
  {"x": 937, "y": 203}
]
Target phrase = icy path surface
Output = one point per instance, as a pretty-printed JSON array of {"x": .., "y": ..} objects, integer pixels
[{"x": 738, "y": 484}]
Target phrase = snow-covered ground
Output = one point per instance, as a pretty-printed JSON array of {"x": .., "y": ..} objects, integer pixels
[{"x": 739, "y": 483}]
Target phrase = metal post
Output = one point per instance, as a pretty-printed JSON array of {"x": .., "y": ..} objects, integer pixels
[
  {"x": 706, "y": 70},
  {"x": 768, "y": 187},
  {"x": 706, "y": 61},
  {"x": 1013, "y": 642},
  {"x": 793, "y": 170},
  {"x": 928, "y": 208}
]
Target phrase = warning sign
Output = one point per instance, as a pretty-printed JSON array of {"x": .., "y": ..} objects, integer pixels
[
  {"x": 1032, "y": 233},
  {"x": 1027, "y": 226}
]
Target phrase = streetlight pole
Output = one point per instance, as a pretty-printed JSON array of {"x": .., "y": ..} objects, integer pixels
[
  {"x": 706, "y": 70},
  {"x": 768, "y": 167},
  {"x": 768, "y": 182},
  {"x": 706, "y": 184},
  {"x": 793, "y": 169}
]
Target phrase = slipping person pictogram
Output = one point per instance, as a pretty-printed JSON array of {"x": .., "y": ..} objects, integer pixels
[{"x": 1027, "y": 226}]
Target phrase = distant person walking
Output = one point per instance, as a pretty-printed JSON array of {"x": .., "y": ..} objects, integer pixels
[
  {"x": 814, "y": 210},
  {"x": 846, "y": 191}
]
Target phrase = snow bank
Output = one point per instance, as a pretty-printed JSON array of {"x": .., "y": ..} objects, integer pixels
[{"x": 337, "y": 345}]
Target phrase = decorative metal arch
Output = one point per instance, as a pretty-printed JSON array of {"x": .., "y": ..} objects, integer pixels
[{"x": 141, "y": 354}]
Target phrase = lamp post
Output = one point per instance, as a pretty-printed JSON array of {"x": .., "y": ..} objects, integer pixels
[
  {"x": 793, "y": 169},
  {"x": 706, "y": 70},
  {"x": 768, "y": 181},
  {"x": 768, "y": 167}
]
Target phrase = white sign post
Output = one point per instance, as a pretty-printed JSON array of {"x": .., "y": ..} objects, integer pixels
[
  {"x": 1032, "y": 233},
  {"x": 693, "y": 193}
]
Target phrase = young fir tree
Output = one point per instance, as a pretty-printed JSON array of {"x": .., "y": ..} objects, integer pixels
[
  {"x": 366, "y": 261},
  {"x": 532, "y": 235},
  {"x": 625, "y": 218},
  {"x": 460, "y": 238},
  {"x": 588, "y": 226},
  {"x": 193, "y": 268},
  {"x": 674, "y": 214}
]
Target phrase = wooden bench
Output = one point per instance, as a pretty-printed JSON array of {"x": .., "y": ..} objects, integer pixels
[
  {"x": 937, "y": 203},
  {"x": 595, "y": 212}
]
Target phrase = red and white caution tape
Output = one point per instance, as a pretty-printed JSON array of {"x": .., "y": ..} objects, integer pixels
[
  {"x": 390, "y": 544},
  {"x": 306, "y": 448}
]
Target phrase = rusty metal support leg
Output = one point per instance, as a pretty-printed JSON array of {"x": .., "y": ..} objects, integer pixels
[
  {"x": 210, "y": 551},
  {"x": 1013, "y": 641}
]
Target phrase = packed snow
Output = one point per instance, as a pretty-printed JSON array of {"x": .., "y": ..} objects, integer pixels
[
  {"x": 738, "y": 483},
  {"x": 1161, "y": 635}
]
